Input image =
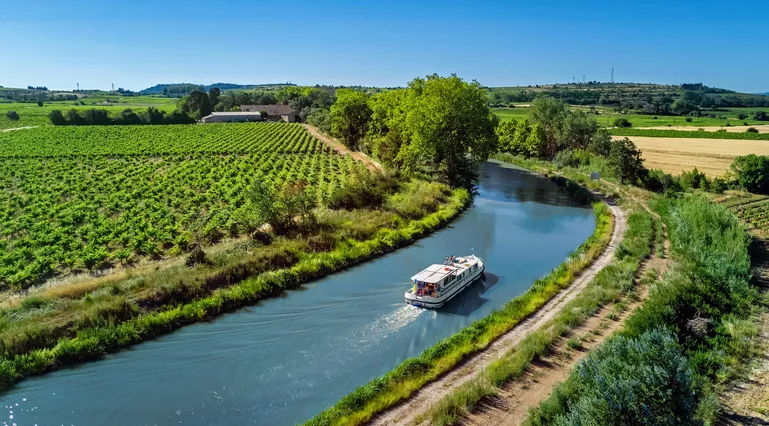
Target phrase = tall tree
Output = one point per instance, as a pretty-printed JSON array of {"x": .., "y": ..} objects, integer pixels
[
  {"x": 349, "y": 117},
  {"x": 213, "y": 97},
  {"x": 451, "y": 125},
  {"x": 626, "y": 159},
  {"x": 550, "y": 113}
]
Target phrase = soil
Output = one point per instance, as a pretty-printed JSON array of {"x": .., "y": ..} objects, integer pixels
[
  {"x": 407, "y": 411},
  {"x": 343, "y": 150}
]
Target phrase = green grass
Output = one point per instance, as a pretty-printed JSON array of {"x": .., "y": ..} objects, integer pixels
[
  {"x": 690, "y": 134},
  {"x": 379, "y": 394}
]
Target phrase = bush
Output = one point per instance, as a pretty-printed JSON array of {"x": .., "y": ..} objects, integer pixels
[
  {"x": 688, "y": 119},
  {"x": 633, "y": 381},
  {"x": 12, "y": 115},
  {"x": 761, "y": 116},
  {"x": 742, "y": 116},
  {"x": 622, "y": 122},
  {"x": 752, "y": 173},
  {"x": 363, "y": 191},
  {"x": 751, "y": 130}
]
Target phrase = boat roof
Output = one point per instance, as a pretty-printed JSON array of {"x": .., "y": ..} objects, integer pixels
[{"x": 434, "y": 273}]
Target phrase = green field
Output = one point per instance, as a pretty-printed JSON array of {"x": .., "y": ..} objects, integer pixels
[
  {"x": 689, "y": 134},
  {"x": 606, "y": 117},
  {"x": 77, "y": 198},
  {"x": 30, "y": 114}
]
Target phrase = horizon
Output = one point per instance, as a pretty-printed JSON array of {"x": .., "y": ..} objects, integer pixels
[{"x": 136, "y": 46}]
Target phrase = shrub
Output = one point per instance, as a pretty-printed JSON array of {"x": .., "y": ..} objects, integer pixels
[
  {"x": 688, "y": 119},
  {"x": 751, "y": 130},
  {"x": 742, "y": 116},
  {"x": 622, "y": 122},
  {"x": 761, "y": 116},
  {"x": 752, "y": 173},
  {"x": 12, "y": 115},
  {"x": 363, "y": 191},
  {"x": 633, "y": 381}
]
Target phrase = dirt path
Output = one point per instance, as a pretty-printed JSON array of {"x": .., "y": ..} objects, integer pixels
[
  {"x": 407, "y": 411},
  {"x": 17, "y": 128},
  {"x": 511, "y": 406},
  {"x": 343, "y": 150}
]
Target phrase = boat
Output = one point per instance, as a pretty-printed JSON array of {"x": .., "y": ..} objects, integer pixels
[{"x": 439, "y": 283}]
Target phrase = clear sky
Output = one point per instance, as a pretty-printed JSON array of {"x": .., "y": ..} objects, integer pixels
[{"x": 139, "y": 43}]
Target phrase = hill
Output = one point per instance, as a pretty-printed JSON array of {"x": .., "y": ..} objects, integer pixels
[
  {"x": 650, "y": 98},
  {"x": 175, "y": 88}
]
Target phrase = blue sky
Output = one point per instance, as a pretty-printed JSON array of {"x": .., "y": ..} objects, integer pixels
[{"x": 138, "y": 43}]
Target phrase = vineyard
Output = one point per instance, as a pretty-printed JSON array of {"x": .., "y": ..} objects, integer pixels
[{"x": 82, "y": 198}]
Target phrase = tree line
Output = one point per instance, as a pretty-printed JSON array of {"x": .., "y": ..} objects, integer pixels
[{"x": 102, "y": 117}]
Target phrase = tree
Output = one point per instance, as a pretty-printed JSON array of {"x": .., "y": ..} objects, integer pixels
[
  {"x": 600, "y": 143},
  {"x": 550, "y": 113},
  {"x": 578, "y": 129},
  {"x": 213, "y": 97},
  {"x": 622, "y": 122},
  {"x": 74, "y": 118},
  {"x": 281, "y": 209},
  {"x": 196, "y": 103},
  {"x": 752, "y": 173},
  {"x": 39, "y": 103},
  {"x": 626, "y": 159},
  {"x": 761, "y": 116},
  {"x": 349, "y": 117},
  {"x": 742, "y": 116},
  {"x": 12, "y": 115},
  {"x": 57, "y": 118},
  {"x": 450, "y": 124}
]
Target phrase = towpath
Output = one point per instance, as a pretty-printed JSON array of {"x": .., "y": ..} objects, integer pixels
[{"x": 407, "y": 411}]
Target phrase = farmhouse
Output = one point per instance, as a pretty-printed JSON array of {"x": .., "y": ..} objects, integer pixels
[
  {"x": 282, "y": 112},
  {"x": 232, "y": 117}
]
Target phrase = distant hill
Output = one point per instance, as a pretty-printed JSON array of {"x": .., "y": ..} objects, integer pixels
[
  {"x": 651, "y": 98},
  {"x": 176, "y": 88}
]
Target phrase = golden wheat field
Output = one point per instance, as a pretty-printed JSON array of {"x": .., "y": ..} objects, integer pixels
[{"x": 711, "y": 156}]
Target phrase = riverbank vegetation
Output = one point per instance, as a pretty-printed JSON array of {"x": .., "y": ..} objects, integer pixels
[
  {"x": 698, "y": 316},
  {"x": 611, "y": 285},
  {"x": 362, "y": 404}
]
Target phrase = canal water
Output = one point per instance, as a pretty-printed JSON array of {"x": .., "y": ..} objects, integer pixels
[{"x": 284, "y": 360}]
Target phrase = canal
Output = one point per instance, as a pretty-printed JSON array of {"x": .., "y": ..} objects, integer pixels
[{"x": 282, "y": 361}]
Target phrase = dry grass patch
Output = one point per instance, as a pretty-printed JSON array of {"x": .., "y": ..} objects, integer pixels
[{"x": 711, "y": 156}]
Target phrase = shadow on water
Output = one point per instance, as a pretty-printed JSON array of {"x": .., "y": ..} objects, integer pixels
[{"x": 471, "y": 299}]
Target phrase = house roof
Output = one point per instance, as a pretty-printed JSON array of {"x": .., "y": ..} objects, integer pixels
[
  {"x": 236, "y": 113},
  {"x": 271, "y": 109}
]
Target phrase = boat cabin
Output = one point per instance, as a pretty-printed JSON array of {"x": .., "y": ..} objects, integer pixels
[{"x": 437, "y": 278}]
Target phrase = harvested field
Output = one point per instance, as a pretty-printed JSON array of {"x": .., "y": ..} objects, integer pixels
[
  {"x": 711, "y": 156},
  {"x": 762, "y": 128}
]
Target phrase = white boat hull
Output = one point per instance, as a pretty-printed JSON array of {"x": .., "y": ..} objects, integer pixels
[{"x": 436, "y": 302}]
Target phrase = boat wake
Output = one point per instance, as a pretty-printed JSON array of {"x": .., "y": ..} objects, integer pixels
[{"x": 388, "y": 324}]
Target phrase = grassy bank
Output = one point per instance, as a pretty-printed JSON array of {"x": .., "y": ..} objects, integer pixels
[
  {"x": 113, "y": 313},
  {"x": 689, "y": 134},
  {"x": 381, "y": 393},
  {"x": 692, "y": 334},
  {"x": 609, "y": 286}
]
